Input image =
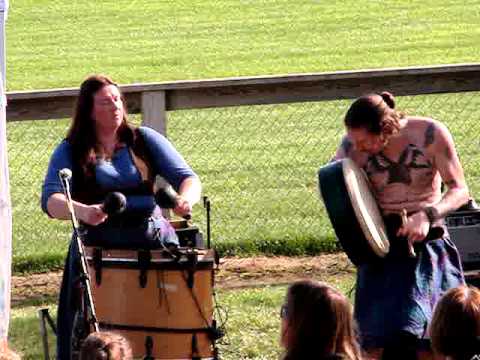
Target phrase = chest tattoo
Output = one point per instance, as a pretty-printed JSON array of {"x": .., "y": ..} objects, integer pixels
[{"x": 401, "y": 171}]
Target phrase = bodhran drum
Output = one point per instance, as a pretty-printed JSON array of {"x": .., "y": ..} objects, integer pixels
[
  {"x": 162, "y": 305},
  {"x": 353, "y": 211}
]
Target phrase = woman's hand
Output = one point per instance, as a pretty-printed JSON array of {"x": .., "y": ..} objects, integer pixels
[
  {"x": 91, "y": 214},
  {"x": 183, "y": 207},
  {"x": 416, "y": 227}
]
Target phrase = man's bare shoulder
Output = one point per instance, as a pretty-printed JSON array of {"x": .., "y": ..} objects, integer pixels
[
  {"x": 426, "y": 131},
  {"x": 422, "y": 123}
]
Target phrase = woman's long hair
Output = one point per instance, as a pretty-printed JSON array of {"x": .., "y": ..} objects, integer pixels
[
  {"x": 82, "y": 134},
  {"x": 455, "y": 326},
  {"x": 376, "y": 113},
  {"x": 319, "y": 323}
]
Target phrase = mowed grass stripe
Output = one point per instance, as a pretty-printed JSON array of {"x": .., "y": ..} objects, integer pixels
[{"x": 56, "y": 43}]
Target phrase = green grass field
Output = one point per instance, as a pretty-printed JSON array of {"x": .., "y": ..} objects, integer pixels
[
  {"x": 258, "y": 164},
  {"x": 263, "y": 188},
  {"x": 56, "y": 43}
]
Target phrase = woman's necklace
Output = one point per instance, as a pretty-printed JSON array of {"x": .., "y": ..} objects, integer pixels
[{"x": 106, "y": 153}]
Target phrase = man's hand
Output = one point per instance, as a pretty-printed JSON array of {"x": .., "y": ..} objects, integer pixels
[{"x": 416, "y": 227}]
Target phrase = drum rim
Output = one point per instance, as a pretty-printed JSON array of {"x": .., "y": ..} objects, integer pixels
[{"x": 349, "y": 166}]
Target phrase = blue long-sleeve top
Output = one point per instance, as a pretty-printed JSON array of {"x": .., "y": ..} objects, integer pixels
[{"x": 120, "y": 173}]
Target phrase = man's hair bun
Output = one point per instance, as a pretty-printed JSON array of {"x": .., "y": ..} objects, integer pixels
[{"x": 388, "y": 98}]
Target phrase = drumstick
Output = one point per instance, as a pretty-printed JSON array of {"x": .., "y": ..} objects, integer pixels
[{"x": 411, "y": 250}]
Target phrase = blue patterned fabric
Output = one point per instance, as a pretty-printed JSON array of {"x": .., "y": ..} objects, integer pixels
[{"x": 398, "y": 294}]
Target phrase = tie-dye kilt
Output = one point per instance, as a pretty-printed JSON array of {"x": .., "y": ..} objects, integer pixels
[{"x": 398, "y": 294}]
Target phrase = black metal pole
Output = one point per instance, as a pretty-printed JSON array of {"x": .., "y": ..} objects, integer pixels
[
  {"x": 85, "y": 277},
  {"x": 206, "y": 205},
  {"x": 44, "y": 334}
]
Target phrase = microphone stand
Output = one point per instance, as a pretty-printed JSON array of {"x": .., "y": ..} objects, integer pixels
[{"x": 91, "y": 318}]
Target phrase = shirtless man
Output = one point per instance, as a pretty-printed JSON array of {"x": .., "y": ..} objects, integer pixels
[{"x": 406, "y": 159}]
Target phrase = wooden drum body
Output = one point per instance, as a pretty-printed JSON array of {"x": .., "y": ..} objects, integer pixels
[
  {"x": 162, "y": 305},
  {"x": 353, "y": 211}
]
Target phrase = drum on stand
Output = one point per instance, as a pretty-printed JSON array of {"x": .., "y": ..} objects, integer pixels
[
  {"x": 353, "y": 211},
  {"x": 162, "y": 304}
]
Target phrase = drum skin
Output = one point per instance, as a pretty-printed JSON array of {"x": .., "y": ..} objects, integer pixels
[{"x": 333, "y": 190}]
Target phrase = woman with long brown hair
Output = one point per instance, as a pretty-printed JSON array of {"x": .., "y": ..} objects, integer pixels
[
  {"x": 106, "y": 154},
  {"x": 455, "y": 327},
  {"x": 317, "y": 323}
]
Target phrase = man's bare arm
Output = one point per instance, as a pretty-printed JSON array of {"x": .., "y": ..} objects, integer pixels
[{"x": 448, "y": 164}]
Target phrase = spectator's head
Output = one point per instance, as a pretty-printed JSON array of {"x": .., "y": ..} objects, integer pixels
[
  {"x": 455, "y": 327},
  {"x": 105, "y": 346},
  {"x": 317, "y": 321},
  {"x": 371, "y": 120}
]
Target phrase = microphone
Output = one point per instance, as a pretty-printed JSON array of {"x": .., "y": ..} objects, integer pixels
[
  {"x": 65, "y": 174},
  {"x": 114, "y": 203},
  {"x": 165, "y": 195}
]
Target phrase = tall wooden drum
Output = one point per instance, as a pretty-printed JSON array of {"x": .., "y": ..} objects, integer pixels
[
  {"x": 353, "y": 211},
  {"x": 162, "y": 305}
]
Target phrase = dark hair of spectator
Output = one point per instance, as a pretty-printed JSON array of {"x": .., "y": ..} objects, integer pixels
[
  {"x": 105, "y": 346},
  {"x": 455, "y": 326},
  {"x": 319, "y": 323}
]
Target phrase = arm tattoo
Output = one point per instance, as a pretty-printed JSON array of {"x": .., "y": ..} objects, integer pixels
[
  {"x": 448, "y": 153},
  {"x": 429, "y": 135},
  {"x": 346, "y": 146}
]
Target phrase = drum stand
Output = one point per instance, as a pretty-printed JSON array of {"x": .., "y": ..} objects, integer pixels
[
  {"x": 86, "y": 317},
  {"x": 216, "y": 332},
  {"x": 45, "y": 319}
]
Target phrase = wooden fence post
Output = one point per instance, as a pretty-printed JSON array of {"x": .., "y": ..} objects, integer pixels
[
  {"x": 154, "y": 115},
  {"x": 154, "y": 112}
]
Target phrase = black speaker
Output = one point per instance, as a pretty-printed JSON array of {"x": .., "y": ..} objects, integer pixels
[{"x": 464, "y": 229}]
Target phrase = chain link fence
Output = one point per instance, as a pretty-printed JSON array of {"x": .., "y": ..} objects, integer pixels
[{"x": 258, "y": 165}]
